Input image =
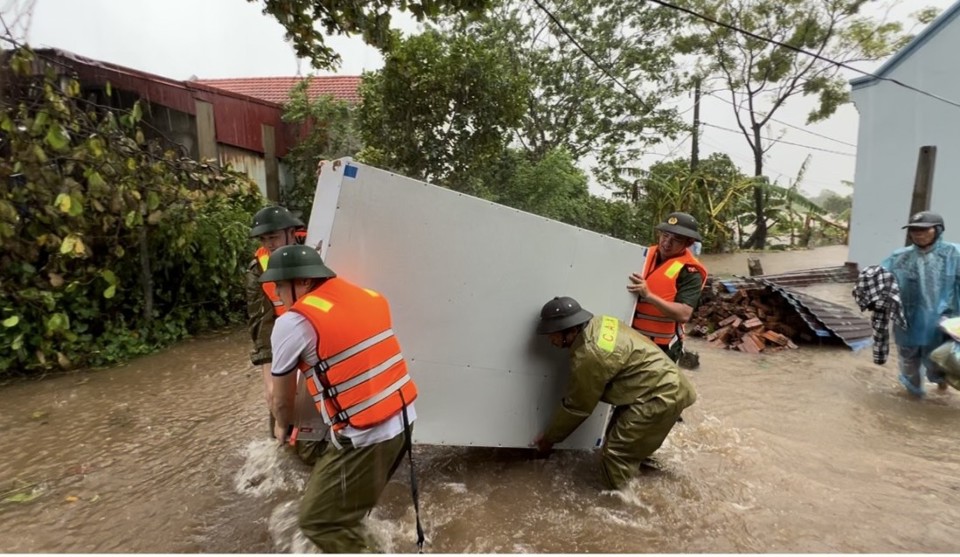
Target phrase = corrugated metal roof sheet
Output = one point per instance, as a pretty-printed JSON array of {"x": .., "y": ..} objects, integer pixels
[
  {"x": 825, "y": 319},
  {"x": 842, "y": 273},
  {"x": 277, "y": 89},
  {"x": 238, "y": 118}
]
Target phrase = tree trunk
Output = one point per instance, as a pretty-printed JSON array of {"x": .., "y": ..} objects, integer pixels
[
  {"x": 758, "y": 239},
  {"x": 146, "y": 277},
  {"x": 695, "y": 148}
]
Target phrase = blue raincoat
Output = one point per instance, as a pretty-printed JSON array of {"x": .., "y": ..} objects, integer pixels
[{"x": 929, "y": 289}]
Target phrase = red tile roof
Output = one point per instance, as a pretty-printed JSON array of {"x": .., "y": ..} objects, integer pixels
[{"x": 277, "y": 89}]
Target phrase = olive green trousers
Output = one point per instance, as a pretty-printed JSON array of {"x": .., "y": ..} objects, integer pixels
[
  {"x": 343, "y": 488},
  {"x": 636, "y": 431}
]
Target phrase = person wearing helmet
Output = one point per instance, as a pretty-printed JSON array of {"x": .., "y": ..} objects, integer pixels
[
  {"x": 613, "y": 363},
  {"x": 340, "y": 336},
  {"x": 669, "y": 286},
  {"x": 928, "y": 275},
  {"x": 273, "y": 227}
]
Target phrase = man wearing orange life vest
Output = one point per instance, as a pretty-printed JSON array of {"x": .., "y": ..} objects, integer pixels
[
  {"x": 668, "y": 288},
  {"x": 340, "y": 336},
  {"x": 274, "y": 227}
]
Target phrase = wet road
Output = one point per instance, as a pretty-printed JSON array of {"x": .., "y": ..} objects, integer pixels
[{"x": 814, "y": 450}]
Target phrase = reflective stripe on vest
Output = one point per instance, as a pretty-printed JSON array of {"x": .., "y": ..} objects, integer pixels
[
  {"x": 270, "y": 288},
  {"x": 662, "y": 281},
  {"x": 362, "y": 373}
]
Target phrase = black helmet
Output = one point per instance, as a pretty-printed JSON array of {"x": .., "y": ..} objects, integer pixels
[
  {"x": 681, "y": 224},
  {"x": 926, "y": 219},
  {"x": 271, "y": 219},
  {"x": 561, "y": 313},
  {"x": 293, "y": 262}
]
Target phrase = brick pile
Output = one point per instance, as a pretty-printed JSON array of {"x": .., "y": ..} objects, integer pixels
[{"x": 752, "y": 320}]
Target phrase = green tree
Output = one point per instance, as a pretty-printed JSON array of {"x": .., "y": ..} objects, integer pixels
[
  {"x": 308, "y": 22},
  {"x": 760, "y": 77},
  {"x": 441, "y": 109},
  {"x": 712, "y": 194},
  {"x": 327, "y": 129},
  {"x": 572, "y": 103},
  {"x": 834, "y": 203}
]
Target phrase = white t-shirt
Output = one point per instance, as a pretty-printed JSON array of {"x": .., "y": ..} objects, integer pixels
[{"x": 295, "y": 339}]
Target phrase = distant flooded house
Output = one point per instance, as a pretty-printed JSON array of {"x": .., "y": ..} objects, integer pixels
[
  {"x": 235, "y": 121},
  {"x": 895, "y": 123}
]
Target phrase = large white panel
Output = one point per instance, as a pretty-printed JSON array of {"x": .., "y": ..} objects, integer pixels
[{"x": 466, "y": 279}]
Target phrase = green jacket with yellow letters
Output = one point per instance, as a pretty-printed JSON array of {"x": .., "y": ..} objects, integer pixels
[{"x": 615, "y": 364}]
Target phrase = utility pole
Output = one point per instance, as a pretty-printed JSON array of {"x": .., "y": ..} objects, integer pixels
[
  {"x": 695, "y": 149},
  {"x": 922, "y": 183}
]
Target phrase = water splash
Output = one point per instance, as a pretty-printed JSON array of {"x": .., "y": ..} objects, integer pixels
[
  {"x": 263, "y": 471},
  {"x": 286, "y": 536},
  {"x": 285, "y": 531}
]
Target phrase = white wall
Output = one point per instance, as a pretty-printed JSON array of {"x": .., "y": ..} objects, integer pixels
[
  {"x": 894, "y": 123},
  {"x": 466, "y": 279}
]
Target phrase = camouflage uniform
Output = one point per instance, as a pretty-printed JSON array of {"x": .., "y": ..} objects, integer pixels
[{"x": 629, "y": 372}]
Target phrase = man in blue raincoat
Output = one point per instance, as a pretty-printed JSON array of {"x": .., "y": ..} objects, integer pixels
[{"x": 928, "y": 273}]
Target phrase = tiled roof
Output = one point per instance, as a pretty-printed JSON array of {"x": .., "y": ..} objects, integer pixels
[{"x": 277, "y": 89}]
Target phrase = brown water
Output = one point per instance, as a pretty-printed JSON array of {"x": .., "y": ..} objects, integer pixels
[{"x": 814, "y": 450}]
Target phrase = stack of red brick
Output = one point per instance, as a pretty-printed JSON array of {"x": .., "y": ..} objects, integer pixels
[{"x": 751, "y": 320}]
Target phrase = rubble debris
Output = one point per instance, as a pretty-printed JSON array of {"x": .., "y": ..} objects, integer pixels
[{"x": 753, "y": 319}]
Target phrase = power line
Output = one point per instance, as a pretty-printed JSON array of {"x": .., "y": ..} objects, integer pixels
[
  {"x": 600, "y": 66},
  {"x": 802, "y": 51},
  {"x": 806, "y": 180},
  {"x": 789, "y": 125},
  {"x": 782, "y": 141},
  {"x": 629, "y": 91}
]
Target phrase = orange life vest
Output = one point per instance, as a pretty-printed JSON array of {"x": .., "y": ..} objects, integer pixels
[
  {"x": 269, "y": 288},
  {"x": 362, "y": 378},
  {"x": 662, "y": 281}
]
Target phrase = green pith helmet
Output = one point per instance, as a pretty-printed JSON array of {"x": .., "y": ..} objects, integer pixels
[
  {"x": 271, "y": 219},
  {"x": 294, "y": 262},
  {"x": 681, "y": 224},
  {"x": 561, "y": 313}
]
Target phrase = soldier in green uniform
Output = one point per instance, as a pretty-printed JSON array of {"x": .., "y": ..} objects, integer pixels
[
  {"x": 615, "y": 364},
  {"x": 274, "y": 227}
]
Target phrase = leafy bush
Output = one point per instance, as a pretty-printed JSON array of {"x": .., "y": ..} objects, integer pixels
[{"x": 110, "y": 246}]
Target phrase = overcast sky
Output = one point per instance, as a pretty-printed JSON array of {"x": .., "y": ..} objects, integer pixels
[{"x": 232, "y": 38}]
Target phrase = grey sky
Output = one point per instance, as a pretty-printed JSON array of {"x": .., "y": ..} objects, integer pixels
[{"x": 232, "y": 38}]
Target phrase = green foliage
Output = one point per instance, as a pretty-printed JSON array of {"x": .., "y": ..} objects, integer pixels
[
  {"x": 327, "y": 130},
  {"x": 309, "y": 22},
  {"x": 760, "y": 77},
  {"x": 834, "y": 203},
  {"x": 109, "y": 246},
  {"x": 554, "y": 187},
  {"x": 926, "y": 15},
  {"x": 713, "y": 194},
  {"x": 573, "y": 104},
  {"x": 441, "y": 108}
]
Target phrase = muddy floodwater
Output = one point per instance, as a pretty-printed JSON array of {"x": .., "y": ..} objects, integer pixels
[{"x": 812, "y": 450}]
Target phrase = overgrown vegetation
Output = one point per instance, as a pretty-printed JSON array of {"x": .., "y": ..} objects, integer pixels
[
  {"x": 110, "y": 245},
  {"x": 326, "y": 129}
]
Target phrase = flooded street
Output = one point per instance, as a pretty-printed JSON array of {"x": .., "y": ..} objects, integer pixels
[{"x": 813, "y": 450}]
